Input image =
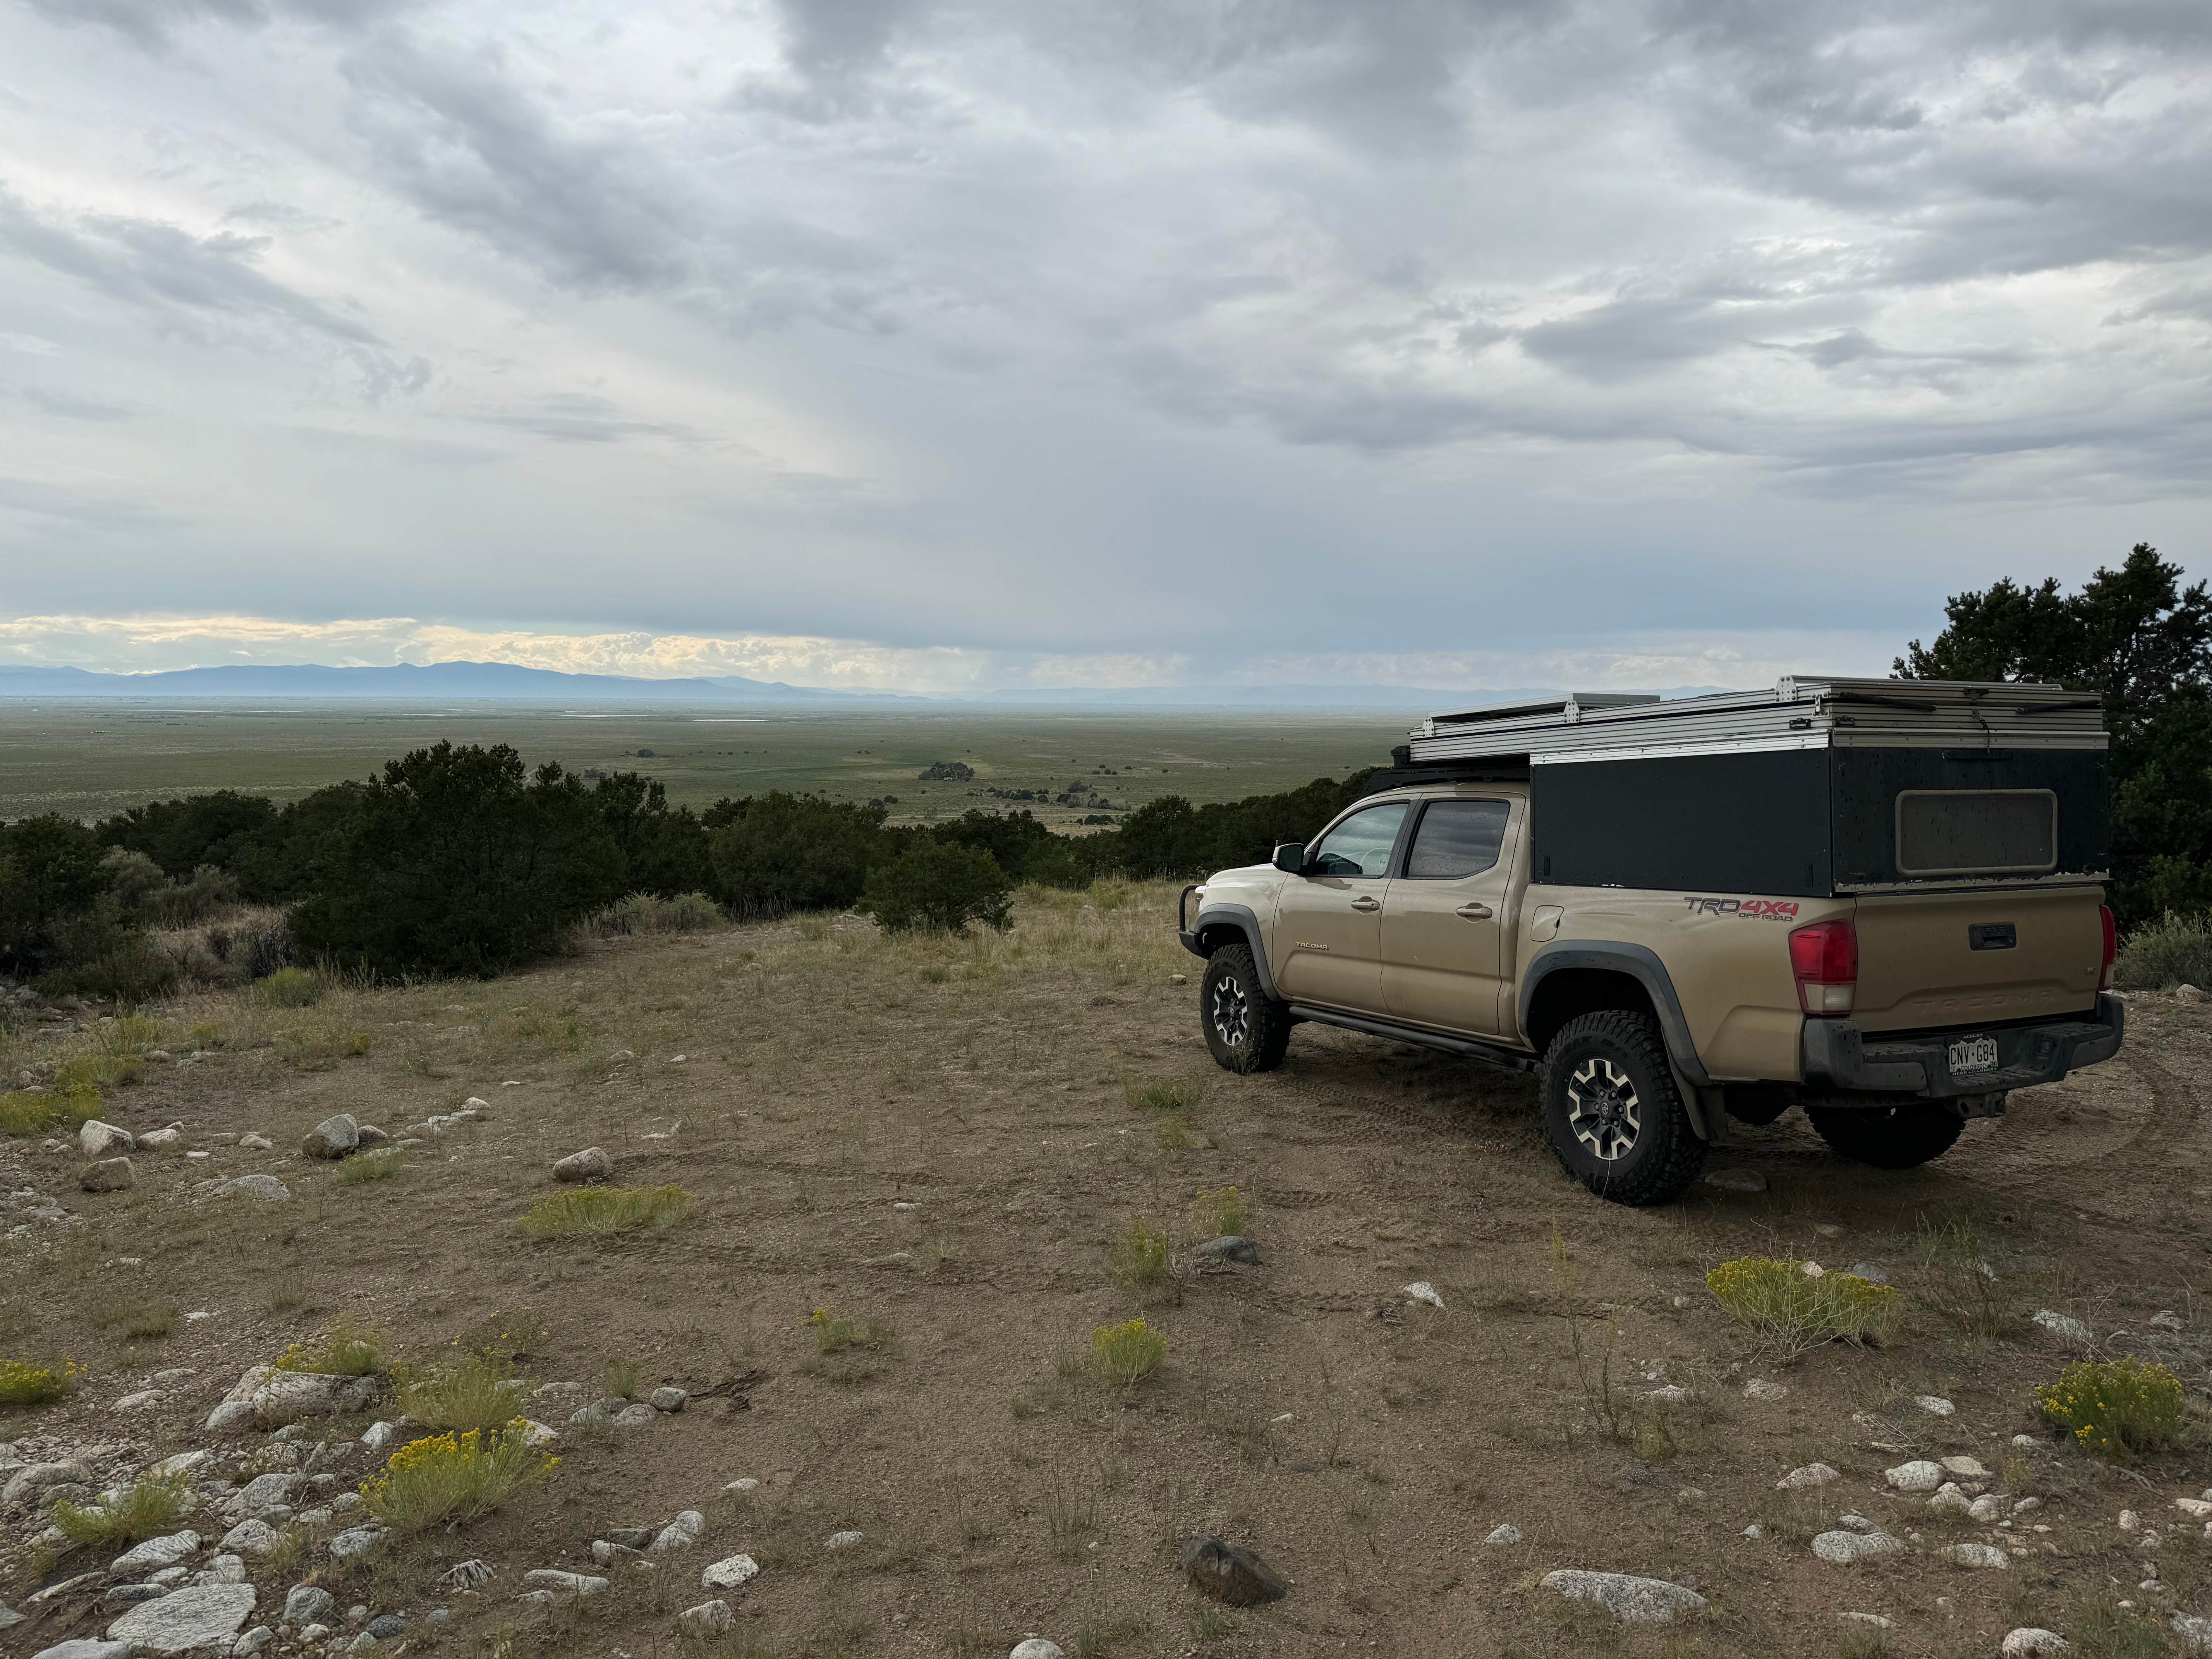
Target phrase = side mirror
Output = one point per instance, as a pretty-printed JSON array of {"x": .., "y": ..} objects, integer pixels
[{"x": 1291, "y": 857}]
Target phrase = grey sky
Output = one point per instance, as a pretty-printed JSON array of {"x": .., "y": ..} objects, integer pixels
[{"x": 951, "y": 345}]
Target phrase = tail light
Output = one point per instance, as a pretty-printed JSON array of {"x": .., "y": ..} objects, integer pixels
[
  {"x": 1825, "y": 958},
  {"x": 2112, "y": 946}
]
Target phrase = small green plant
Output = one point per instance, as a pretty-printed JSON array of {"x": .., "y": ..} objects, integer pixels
[
  {"x": 2115, "y": 1408},
  {"x": 1102, "y": 1638},
  {"x": 351, "y": 1347},
  {"x": 834, "y": 1333},
  {"x": 473, "y": 1392},
  {"x": 451, "y": 1478},
  {"x": 23, "y": 1385},
  {"x": 1165, "y": 1096},
  {"x": 1223, "y": 1210},
  {"x": 379, "y": 1164},
  {"x": 1779, "y": 1298},
  {"x": 148, "y": 1507},
  {"x": 358, "y": 1043},
  {"x": 96, "y": 1069},
  {"x": 1144, "y": 1261},
  {"x": 1210, "y": 1624},
  {"x": 1958, "y": 1284},
  {"x": 1175, "y": 1133},
  {"x": 601, "y": 1211},
  {"x": 39, "y": 1112},
  {"x": 2175, "y": 950},
  {"x": 1128, "y": 1353},
  {"x": 621, "y": 1378},
  {"x": 289, "y": 988},
  {"x": 1865, "y": 1645}
]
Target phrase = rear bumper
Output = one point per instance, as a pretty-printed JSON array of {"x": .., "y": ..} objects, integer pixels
[{"x": 1837, "y": 1056}]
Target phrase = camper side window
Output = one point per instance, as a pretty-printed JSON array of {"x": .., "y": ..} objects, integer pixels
[{"x": 1958, "y": 832}]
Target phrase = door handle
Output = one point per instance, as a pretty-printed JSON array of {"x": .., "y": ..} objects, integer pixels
[
  {"x": 1475, "y": 910},
  {"x": 1365, "y": 902}
]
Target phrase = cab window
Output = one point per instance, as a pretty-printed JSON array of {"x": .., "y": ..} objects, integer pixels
[
  {"x": 1361, "y": 845},
  {"x": 1457, "y": 838}
]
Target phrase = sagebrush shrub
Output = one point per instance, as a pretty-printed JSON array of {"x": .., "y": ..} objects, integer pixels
[
  {"x": 289, "y": 988},
  {"x": 1128, "y": 1353},
  {"x": 1223, "y": 1210},
  {"x": 474, "y": 1393},
  {"x": 454, "y": 1477},
  {"x": 2175, "y": 950},
  {"x": 1778, "y": 1297},
  {"x": 1143, "y": 1260},
  {"x": 2115, "y": 1408},
  {"x": 23, "y": 1385}
]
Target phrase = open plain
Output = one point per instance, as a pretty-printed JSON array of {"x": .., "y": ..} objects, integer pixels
[{"x": 923, "y": 1173}]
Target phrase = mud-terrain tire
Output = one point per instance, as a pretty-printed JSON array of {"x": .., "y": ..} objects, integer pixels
[
  {"x": 1901, "y": 1137},
  {"x": 1612, "y": 1112},
  {"x": 1246, "y": 1029}
]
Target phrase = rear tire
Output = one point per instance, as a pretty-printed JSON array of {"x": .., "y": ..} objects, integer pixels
[
  {"x": 1612, "y": 1112},
  {"x": 1246, "y": 1029},
  {"x": 1902, "y": 1137}
]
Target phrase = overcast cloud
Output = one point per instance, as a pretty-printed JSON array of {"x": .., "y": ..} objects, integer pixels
[{"x": 949, "y": 346}]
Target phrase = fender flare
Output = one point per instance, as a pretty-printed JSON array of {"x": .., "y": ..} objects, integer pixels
[
  {"x": 1243, "y": 919},
  {"x": 1641, "y": 963}
]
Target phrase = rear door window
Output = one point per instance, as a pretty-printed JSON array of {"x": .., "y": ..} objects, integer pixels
[
  {"x": 1457, "y": 838},
  {"x": 1361, "y": 845}
]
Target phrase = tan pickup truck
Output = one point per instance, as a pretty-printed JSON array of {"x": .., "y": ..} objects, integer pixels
[{"x": 1878, "y": 901}]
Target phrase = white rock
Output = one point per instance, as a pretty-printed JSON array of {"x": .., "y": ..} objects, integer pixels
[
  {"x": 634, "y": 1417},
  {"x": 731, "y": 1572},
  {"x": 2187, "y": 992},
  {"x": 565, "y": 1583},
  {"x": 707, "y": 1618},
  {"x": 154, "y": 1553},
  {"x": 1814, "y": 1270},
  {"x": 253, "y": 1143},
  {"x": 1036, "y": 1647},
  {"x": 355, "y": 1540},
  {"x": 265, "y": 1188},
  {"x": 98, "y": 1139},
  {"x": 2165, "y": 1320},
  {"x": 1918, "y": 1475},
  {"x": 2196, "y": 1634},
  {"x": 1949, "y": 1497},
  {"x": 841, "y": 1541},
  {"x": 308, "y": 1604},
  {"x": 1736, "y": 1180},
  {"x": 1967, "y": 1468},
  {"x": 186, "y": 1620},
  {"x": 1673, "y": 1395},
  {"x": 681, "y": 1534},
  {"x": 184, "y": 1462},
  {"x": 2129, "y": 1520},
  {"x": 1753, "y": 1532},
  {"x": 1874, "y": 1620},
  {"x": 1631, "y": 1600},
  {"x": 2195, "y": 1507},
  {"x": 1987, "y": 1508},
  {"x": 742, "y": 1483},
  {"x": 289, "y": 1397},
  {"x": 1977, "y": 1555},
  {"x": 2029, "y": 1641},
  {"x": 1843, "y": 1548},
  {"x": 2065, "y": 1327},
  {"x": 535, "y": 1433},
  {"x": 1508, "y": 1534},
  {"x": 1934, "y": 1404},
  {"x": 1811, "y": 1474},
  {"x": 377, "y": 1435},
  {"x": 1421, "y": 1291},
  {"x": 251, "y": 1538},
  {"x": 224, "y": 1570},
  {"x": 262, "y": 1494},
  {"x": 668, "y": 1400},
  {"x": 1873, "y": 1272},
  {"x": 1760, "y": 1388},
  {"x": 158, "y": 1139}
]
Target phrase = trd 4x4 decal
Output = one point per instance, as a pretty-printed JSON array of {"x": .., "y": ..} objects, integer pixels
[{"x": 1771, "y": 909}]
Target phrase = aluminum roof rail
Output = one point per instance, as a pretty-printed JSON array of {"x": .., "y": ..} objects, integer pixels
[{"x": 1800, "y": 711}]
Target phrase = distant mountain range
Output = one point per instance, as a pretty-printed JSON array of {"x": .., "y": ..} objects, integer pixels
[{"x": 482, "y": 682}]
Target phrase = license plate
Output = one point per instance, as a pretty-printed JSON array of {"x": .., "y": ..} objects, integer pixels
[{"x": 1974, "y": 1054}]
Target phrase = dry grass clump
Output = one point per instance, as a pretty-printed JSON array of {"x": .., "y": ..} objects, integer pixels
[
  {"x": 1778, "y": 1297},
  {"x": 849, "y": 1350},
  {"x": 1128, "y": 1353},
  {"x": 351, "y": 1347},
  {"x": 146, "y": 1507},
  {"x": 1165, "y": 1096},
  {"x": 96, "y": 1069},
  {"x": 601, "y": 1211},
  {"x": 380, "y": 1163},
  {"x": 289, "y": 988},
  {"x": 644, "y": 915},
  {"x": 474, "y": 1393},
  {"x": 1144, "y": 1261},
  {"x": 2115, "y": 1408},
  {"x": 39, "y": 1111},
  {"x": 451, "y": 1478},
  {"x": 621, "y": 1377},
  {"x": 1223, "y": 1210},
  {"x": 23, "y": 1385}
]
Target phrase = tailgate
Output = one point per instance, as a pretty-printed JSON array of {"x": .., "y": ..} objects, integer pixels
[{"x": 1938, "y": 959}]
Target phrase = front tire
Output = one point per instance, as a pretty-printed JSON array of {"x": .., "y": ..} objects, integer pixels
[
  {"x": 1612, "y": 1112},
  {"x": 1246, "y": 1029},
  {"x": 1900, "y": 1136}
]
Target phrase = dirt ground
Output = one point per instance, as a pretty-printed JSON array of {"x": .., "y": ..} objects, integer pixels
[{"x": 935, "y": 1136}]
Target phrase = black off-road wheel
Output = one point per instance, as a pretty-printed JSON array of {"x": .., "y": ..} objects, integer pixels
[
  {"x": 1900, "y": 1136},
  {"x": 1246, "y": 1029},
  {"x": 1612, "y": 1112}
]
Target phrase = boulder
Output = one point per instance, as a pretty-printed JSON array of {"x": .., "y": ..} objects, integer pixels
[
  {"x": 565, "y": 1583},
  {"x": 253, "y": 1143},
  {"x": 35, "y": 1476},
  {"x": 355, "y": 1540},
  {"x": 681, "y": 1534},
  {"x": 308, "y": 1604},
  {"x": 1630, "y": 1599},
  {"x": 188, "y": 1621},
  {"x": 591, "y": 1164},
  {"x": 1229, "y": 1246},
  {"x": 334, "y": 1137},
  {"x": 139, "y": 1401},
  {"x": 224, "y": 1570},
  {"x": 286, "y": 1397},
  {"x": 266, "y": 1189},
  {"x": 2064, "y": 1326},
  {"x": 98, "y": 1139},
  {"x": 367, "y": 1136},
  {"x": 731, "y": 1572},
  {"x": 2031, "y": 1642},
  {"x": 1036, "y": 1647},
  {"x": 668, "y": 1400},
  {"x": 1977, "y": 1555},
  {"x": 634, "y": 1416},
  {"x": 262, "y": 1494},
  {"x": 84, "y": 1647},
  {"x": 1502, "y": 1535},
  {"x": 1811, "y": 1474},
  {"x": 1841, "y": 1548},
  {"x": 251, "y": 1537},
  {"x": 110, "y": 1174},
  {"x": 1920, "y": 1475},
  {"x": 237, "y": 1408},
  {"x": 154, "y": 1553},
  {"x": 1229, "y": 1572}
]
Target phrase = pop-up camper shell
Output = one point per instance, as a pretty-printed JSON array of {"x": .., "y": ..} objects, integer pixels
[{"x": 1818, "y": 788}]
